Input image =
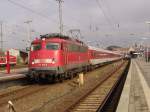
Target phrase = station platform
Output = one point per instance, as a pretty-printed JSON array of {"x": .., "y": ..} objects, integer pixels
[
  {"x": 135, "y": 96},
  {"x": 19, "y": 70},
  {"x": 14, "y": 74}
]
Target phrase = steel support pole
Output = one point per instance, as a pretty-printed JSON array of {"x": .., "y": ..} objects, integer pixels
[
  {"x": 1, "y": 41},
  {"x": 8, "y": 63},
  {"x": 147, "y": 53},
  {"x": 60, "y": 17}
]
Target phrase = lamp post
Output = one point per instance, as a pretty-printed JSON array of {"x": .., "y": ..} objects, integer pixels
[
  {"x": 29, "y": 36},
  {"x": 147, "y": 49},
  {"x": 29, "y": 31},
  {"x": 1, "y": 35},
  {"x": 147, "y": 54}
]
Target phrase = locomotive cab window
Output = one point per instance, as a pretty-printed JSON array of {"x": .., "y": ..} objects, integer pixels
[
  {"x": 35, "y": 47},
  {"x": 52, "y": 46}
]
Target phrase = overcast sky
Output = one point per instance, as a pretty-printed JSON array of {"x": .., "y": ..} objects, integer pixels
[{"x": 108, "y": 22}]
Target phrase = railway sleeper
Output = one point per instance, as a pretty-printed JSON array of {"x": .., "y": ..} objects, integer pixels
[
  {"x": 98, "y": 93},
  {"x": 87, "y": 106},
  {"x": 94, "y": 95},
  {"x": 93, "y": 98},
  {"x": 85, "y": 110},
  {"x": 92, "y": 102}
]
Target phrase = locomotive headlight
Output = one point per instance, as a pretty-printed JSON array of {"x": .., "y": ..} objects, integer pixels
[
  {"x": 33, "y": 62},
  {"x": 53, "y": 61}
]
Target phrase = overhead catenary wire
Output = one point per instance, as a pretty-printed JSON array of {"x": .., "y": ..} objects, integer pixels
[
  {"x": 70, "y": 16},
  {"x": 113, "y": 20},
  {"x": 104, "y": 14},
  {"x": 35, "y": 12},
  {"x": 12, "y": 33},
  {"x": 11, "y": 29},
  {"x": 30, "y": 10},
  {"x": 77, "y": 21},
  {"x": 109, "y": 11}
]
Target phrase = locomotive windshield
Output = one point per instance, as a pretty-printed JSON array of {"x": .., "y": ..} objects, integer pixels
[
  {"x": 35, "y": 47},
  {"x": 52, "y": 46}
]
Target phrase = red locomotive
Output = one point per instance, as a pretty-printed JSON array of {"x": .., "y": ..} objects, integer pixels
[
  {"x": 56, "y": 57},
  {"x": 3, "y": 60}
]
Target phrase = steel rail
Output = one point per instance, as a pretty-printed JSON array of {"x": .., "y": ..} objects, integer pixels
[{"x": 99, "y": 84}]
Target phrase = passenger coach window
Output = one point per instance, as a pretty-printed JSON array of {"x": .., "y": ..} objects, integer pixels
[
  {"x": 52, "y": 46},
  {"x": 35, "y": 47}
]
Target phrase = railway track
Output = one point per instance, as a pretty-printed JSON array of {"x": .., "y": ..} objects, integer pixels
[
  {"x": 95, "y": 99},
  {"x": 19, "y": 93},
  {"x": 17, "y": 77},
  {"x": 113, "y": 100},
  {"x": 92, "y": 95}
]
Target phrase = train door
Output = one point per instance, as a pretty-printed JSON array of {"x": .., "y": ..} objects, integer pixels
[
  {"x": 66, "y": 61},
  {"x": 65, "y": 54}
]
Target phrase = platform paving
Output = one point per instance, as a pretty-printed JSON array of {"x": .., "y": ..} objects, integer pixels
[
  {"x": 14, "y": 74},
  {"x": 12, "y": 71},
  {"x": 145, "y": 69},
  {"x": 136, "y": 92}
]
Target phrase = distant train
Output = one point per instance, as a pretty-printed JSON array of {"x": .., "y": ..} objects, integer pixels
[
  {"x": 147, "y": 54},
  {"x": 57, "y": 57},
  {"x": 3, "y": 60}
]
